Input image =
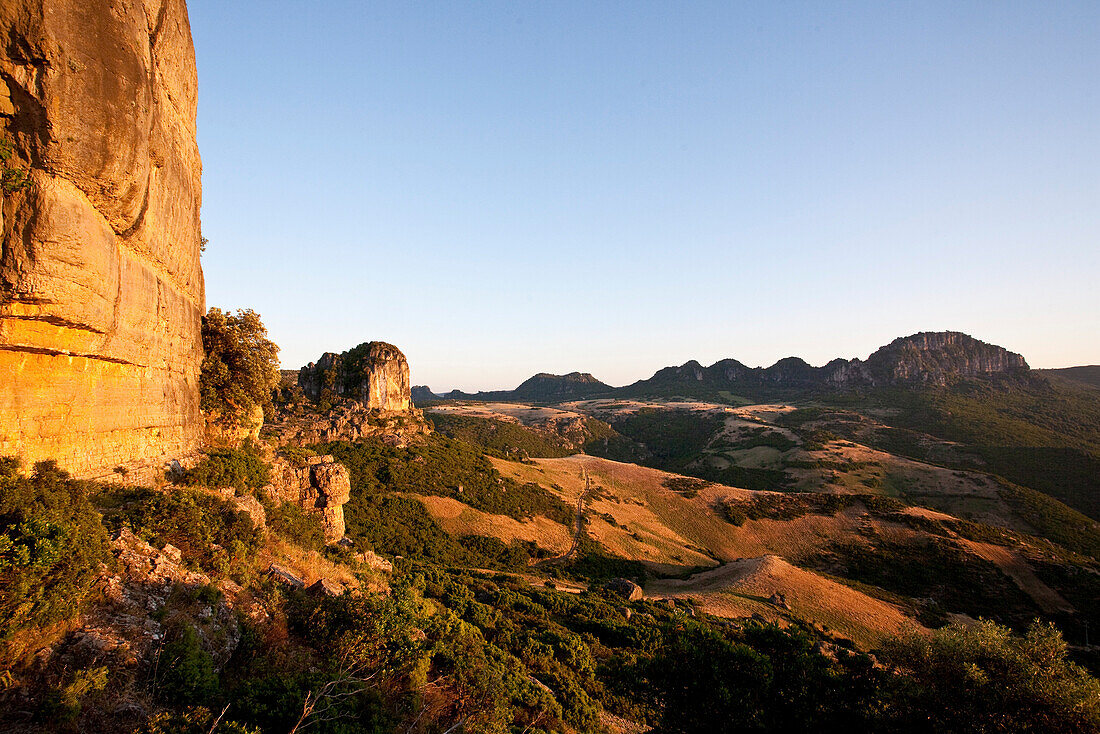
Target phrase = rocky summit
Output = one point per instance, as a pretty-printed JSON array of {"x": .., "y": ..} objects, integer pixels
[
  {"x": 101, "y": 290},
  {"x": 924, "y": 359},
  {"x": 374, "y": 374}
]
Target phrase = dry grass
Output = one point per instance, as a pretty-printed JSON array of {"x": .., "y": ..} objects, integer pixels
[
  {"x": 457, "y": 518},
  {"x": 508, "y": 412},
  {"x": 743, "y": 587},
  {"x": 310, "y": 566}
]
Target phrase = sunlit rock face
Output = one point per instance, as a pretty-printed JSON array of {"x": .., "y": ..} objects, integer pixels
[
  {"x": 375, "y": 374},
  {"x": 101, "y": 290}
]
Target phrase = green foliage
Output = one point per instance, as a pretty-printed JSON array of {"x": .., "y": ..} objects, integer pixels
[
  {"x": 196, "y": 720},
  {"x": 674, "y": 437},
  {"x": 242, "y": 469},
  {"x": 444, "y": 467},
  {"x": 400, "y": 526},
  {"x": 296, "y": 525},
  {"x": 982, "y": 678},
  {"x": 63, "y": 706},
  {"x": 191, "y": 520},
  {"x": 185, "y": 671},
  {"x": 297, "y": 455},
  {"x": 786, "y": 506},
  {"x": 12, "y": 180},
  {"x": 1054, "y": 520},
  {"x": 933, "y": 568},
  {"x": 763, "y": 679},
  {"x": 241, "y": 365},
  {"x": 51, "y": 545},
  {"x": 764, "y": 436},
  {"x": 499, "y": 438}
]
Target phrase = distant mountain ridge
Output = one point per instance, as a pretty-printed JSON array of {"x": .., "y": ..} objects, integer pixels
[
  {"x": 1087, "y": 374},
  {"x": 924, "y": 359},
  {"x": 541, "y": 388},
  {"x": 927, "y": 358}
]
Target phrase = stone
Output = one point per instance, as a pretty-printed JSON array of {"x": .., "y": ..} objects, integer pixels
[
  {"x": 101, "y": 288},
  {"x": 324, "y": 587},
  {"x": 251, "y": 507},
  {"x": 779, "y": 600},
  {"x": 374, "y": 374},
  {"x": 284, "y": 576},
  {"x": 625, "y": 588},
  {"x": 321, "y": 487}
]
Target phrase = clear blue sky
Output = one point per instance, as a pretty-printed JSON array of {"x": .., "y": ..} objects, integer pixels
[{"x": 504, "y": 188}]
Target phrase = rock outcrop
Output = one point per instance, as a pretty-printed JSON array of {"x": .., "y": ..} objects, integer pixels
[
  {"x": 927, "y": 358},
  {"x": 101, "y": 290},
  {"x": 321, "y": 486},
  {"x": 362, "y": 393},
  {"x": 374, "y": 374}
]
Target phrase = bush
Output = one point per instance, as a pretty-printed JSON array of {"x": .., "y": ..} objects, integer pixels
[
  {"x": 186, "y": 673},
  {"x": 982, "y": 678},
  {"x": 296, "y": 525},
  {"x": 445, "y": 467},
  {"x": 240, "y": 367},
  {"x": 51, "y": 545},
  {"x": 241, "y": 469},
  {"x": 192, "y": 521}
]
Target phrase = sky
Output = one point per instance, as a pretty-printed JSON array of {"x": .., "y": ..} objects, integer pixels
[{"x": 505, "y": 188}]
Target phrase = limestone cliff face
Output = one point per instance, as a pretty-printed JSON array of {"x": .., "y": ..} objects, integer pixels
[
  {"x": 321, "y": 487},
  {"x": 374, "y": 374},
  {"x": 101, "y": 291}
]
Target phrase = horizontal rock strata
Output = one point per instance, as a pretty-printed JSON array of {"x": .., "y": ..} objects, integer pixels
[{"x": 101, "y": 290}]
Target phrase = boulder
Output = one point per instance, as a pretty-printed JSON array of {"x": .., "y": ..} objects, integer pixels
[
  {"x": 285, "y": 576},
  {"x": 324, "y": 587},
  {"x": 625, "y": 588}
]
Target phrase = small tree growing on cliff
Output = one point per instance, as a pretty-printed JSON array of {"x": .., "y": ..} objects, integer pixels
[{"x": 241, "y": 365}]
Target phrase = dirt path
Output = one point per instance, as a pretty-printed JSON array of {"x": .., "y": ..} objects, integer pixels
[
  {"x": 578, "y": 522},
  {"x": 1017, "y": 569}
]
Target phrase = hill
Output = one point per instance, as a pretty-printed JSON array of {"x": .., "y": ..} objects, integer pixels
[
  {"x": 1088, "y": 375},
  {"x": 919, "y": 360}
]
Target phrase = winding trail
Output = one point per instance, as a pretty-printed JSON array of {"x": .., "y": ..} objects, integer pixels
[{"x": 578, "y": 522}]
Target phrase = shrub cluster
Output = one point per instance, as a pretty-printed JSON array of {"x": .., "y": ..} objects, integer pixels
[{"x": 51, "y": 545}]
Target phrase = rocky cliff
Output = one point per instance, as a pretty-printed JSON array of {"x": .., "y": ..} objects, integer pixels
[
  {"x": 361, "y": 393},
  {"x": 927, "y": 358},
  {"x": 374, "y": 374},
  {"x": 101, "y": 291},
  {"x": 321, "y": 486}
]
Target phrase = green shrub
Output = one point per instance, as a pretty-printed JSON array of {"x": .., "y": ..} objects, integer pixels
[
  {"x": 982, "y": 678},
  {"x": 51, "y": 545},
  {"x": 190, "y": 520},
  {"x": 185, "y": 671},
  {"x": 500, "y": 438},
  {"x": 196, "y": 720},
  {"x": 242, "y": 469},
  {"x": 240, "y": 367},
  {"x": 444, "y": 467},
  {"x": 296, "y": 525}
]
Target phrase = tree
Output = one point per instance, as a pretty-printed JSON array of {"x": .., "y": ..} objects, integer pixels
[
  {"x": 983, "y": 678},
  {"x": 241, "y": 365}
]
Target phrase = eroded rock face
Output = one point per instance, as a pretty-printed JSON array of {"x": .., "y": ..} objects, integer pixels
[
  {"x": 322, "y": 486},
  {"x": 101, "y": 290},
  {"x": 374, "y": 374}
]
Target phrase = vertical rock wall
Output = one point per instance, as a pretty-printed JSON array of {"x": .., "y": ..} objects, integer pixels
[
  {"x": 375, "y": 374},
  {"x": 101, "y": 290}
]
